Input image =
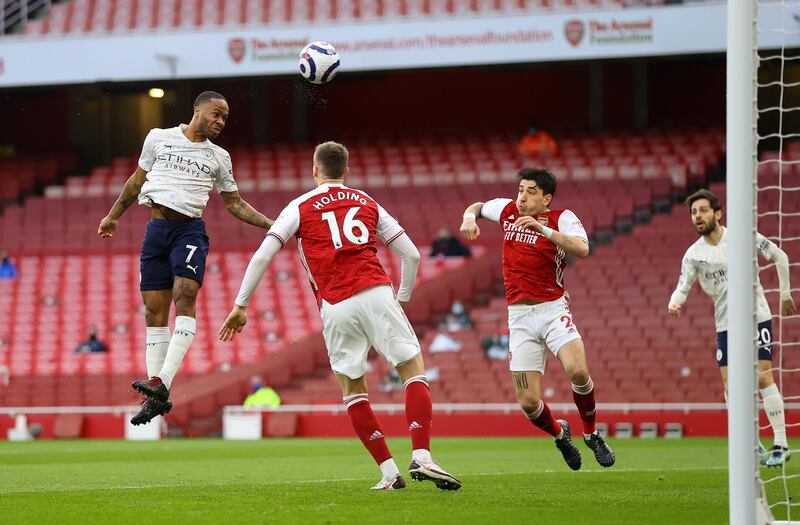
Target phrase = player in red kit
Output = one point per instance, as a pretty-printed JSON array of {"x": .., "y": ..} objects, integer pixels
[
  {"x": 535, "y": 244},
  {"x": 337, "y": 229}
]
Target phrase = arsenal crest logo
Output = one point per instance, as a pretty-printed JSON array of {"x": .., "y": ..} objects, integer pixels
[
  {"x": 236, "y": 48},
  {"x": 543, "y": 219},
  {"x": 573, "y": 30}
]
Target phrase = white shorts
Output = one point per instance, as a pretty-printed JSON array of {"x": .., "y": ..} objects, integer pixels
[
  {"x": 372, "y": 318},
  {"x": 533, "y": 328}
]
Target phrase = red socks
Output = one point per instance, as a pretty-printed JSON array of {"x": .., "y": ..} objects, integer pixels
[
  {"x": 543, "y": 419},
  {"x": 367, "y": 427},
  {"x": 419, "y": 415},
  {"x": 419, "y": 412},
  {"x": 584, "y": 400}
]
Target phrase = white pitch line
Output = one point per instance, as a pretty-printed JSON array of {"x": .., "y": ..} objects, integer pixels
[{"x": 609, "y": 471}]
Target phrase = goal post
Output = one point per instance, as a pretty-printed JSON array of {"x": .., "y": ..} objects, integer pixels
[
  {"x": 763, "y": 164},
  {"x": 744, "y": 491}
]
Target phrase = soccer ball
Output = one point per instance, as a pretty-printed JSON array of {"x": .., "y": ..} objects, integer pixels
[{"x": 319, "y": 62}]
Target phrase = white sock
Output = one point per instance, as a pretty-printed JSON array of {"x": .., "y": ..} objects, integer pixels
[
  {"x": 389, "y": 469},
  {"x": 773, "y": 406},
  {"x": 420, "y": 454},
  {"x": 157, "y": 342},
  {"x": 178, "y": 346}
]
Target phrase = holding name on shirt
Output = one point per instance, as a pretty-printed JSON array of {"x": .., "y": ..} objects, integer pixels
[{"x": 339, "y": 196}]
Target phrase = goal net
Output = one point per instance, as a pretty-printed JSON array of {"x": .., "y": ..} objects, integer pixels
[{"x": 764, "y": 196}]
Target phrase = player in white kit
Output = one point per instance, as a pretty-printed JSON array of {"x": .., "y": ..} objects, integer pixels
[
  {"x": 336, "y": 229},
  {"x": 707, "y": 261},
  {"x": 177, "y": 169},
  {"x": 535, "y": 244}
]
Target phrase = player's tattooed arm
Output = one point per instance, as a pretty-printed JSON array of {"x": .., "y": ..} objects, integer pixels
[
  {"x": 130, "y": 192},
  {"x": 240, "y": 209}
]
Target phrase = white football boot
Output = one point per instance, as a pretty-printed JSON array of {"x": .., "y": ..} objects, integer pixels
[
  {"x": 421, "y": 471},
  {"x": 396, "y": 483}
]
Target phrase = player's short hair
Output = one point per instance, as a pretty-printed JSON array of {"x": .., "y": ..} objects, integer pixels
[
  {"x": 331, "y": 159},
  {"x": 703, "y": 194},
  {"x": 205, "y": 96},
  {"x": 542, "y": 177}
]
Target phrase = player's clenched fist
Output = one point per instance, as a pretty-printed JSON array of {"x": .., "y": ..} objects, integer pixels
[
  {"x": 469, "y": 228},
  {"x": 233, "y": 324},
  {"x": 675, "y": 309},
  {"x": 107, "y": 227},
  {"x": 529, "y": 223}
]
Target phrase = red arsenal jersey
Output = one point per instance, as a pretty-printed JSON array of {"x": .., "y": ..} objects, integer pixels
[
  {"x": 533, "y": 265},
  {"x": 336, "y": 229}
]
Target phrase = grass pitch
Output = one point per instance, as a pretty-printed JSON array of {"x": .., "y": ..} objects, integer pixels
[{"x": 507, "y": 480}]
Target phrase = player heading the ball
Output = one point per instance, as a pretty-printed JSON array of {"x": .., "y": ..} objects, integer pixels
[{"x": 177, "y": 169}]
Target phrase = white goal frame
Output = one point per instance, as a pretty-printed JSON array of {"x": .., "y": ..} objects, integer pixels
[
  {"x": 741, "y": 164},
  {"x": 746, "y": 501}
]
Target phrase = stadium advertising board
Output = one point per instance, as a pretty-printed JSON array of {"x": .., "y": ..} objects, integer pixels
[{"x": 273, "y": 50}]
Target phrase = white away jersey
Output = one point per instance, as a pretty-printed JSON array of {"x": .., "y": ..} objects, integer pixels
[
  {"x": 182, "y": 172},
  {"x": 709, "y": 264}
]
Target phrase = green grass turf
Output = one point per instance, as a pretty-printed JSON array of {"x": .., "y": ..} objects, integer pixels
[{"x": 506, "y": 480}]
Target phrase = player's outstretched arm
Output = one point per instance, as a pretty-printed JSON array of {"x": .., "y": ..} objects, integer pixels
[
  {"x": 240, "y": 209},
  {"x": 469, "y": 225},
  {"x": 770, "y": 251},
  {"x": 409, "y": 255},
  {"x": 252, "y": 276},
  {"x": 130, "y": 192}
]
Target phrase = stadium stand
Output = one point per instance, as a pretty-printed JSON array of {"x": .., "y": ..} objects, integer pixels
[
  {"x": 612, "y": 181},
  {"x": 85, "y": 292},
  {"x": 681, "y": 157},
  {"x": 93, "y": 17},
  {"x": 619, "y": 295},
  {"x": 22, "y": 175}
]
